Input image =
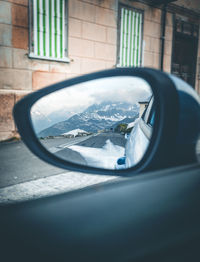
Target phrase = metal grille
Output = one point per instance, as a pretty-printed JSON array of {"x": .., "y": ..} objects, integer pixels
[
  {"x": 130, "y": 38},
  {"x": 48, "y": 28}
]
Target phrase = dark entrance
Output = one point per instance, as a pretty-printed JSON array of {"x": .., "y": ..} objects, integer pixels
[{"x": 184, "y": 56}]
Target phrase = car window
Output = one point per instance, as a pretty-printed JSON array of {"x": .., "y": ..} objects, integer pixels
[{"x": 152, "y": 117}]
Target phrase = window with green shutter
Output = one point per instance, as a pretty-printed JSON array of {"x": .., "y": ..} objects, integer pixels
[
  {"x": 48, "y": 29},
  {"x": 130, "y": 46}
]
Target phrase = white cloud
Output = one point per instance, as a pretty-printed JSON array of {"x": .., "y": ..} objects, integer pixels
[{"x": 78, "y": 97}]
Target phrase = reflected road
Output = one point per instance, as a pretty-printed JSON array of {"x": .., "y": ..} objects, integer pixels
[
  {"x": 19, "y": 165},
  {"x": 61, "y": 146}
]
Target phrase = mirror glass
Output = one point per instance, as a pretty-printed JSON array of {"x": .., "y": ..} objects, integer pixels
[{"x": 105, "y": 123}]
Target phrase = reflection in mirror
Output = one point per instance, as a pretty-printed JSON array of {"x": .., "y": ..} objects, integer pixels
[{"x": 105, "y": 123}]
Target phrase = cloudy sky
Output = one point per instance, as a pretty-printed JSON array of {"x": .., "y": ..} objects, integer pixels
[{"x": 78, "y": 97}]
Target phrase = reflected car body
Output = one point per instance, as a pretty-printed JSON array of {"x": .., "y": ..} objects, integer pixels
[{"x": 138, "y": 140}]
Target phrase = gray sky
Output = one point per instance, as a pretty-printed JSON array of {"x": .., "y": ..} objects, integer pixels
[{"x": 79, "y": 97}]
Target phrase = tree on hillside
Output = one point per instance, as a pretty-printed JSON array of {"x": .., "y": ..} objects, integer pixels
[{"x": 121, "y": 128}]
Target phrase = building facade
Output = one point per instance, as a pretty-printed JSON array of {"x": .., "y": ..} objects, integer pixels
[{"x": 46, "y": 41}]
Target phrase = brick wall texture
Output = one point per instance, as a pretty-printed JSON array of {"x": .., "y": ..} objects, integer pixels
[{"x": 92, "y": 46}]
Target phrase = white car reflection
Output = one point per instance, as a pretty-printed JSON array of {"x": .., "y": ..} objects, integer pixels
[{"x": 138, "y": 139}]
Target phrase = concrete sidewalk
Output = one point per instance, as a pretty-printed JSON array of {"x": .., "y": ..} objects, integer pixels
[
  {"x": 49, "y": 186},
  {"x": 24, "y": 177}
]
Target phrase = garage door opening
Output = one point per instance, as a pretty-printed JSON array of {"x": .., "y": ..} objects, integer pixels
[{"x": 184, "y": 56}]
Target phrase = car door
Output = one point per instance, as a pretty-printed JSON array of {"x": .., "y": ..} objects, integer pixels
[
  {"x": 149, "y": 216},
  {"x": 140, "y": 136}
]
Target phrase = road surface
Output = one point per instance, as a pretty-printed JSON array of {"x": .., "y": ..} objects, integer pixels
[
  {"x": 24, "y": 176},
  {"x": 62, "y": 146},
  {"x": 19, "y": 165}
]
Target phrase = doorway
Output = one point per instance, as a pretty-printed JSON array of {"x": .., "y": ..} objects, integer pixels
[{"x": 184, "y": 56}]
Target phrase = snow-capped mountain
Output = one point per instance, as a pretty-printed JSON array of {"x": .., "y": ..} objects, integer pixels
[
  {"x": 94, "y": 118},
  {"x": 111, "y": 111}
]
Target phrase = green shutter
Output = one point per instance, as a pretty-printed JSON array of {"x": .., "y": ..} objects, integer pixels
[
  {"x": 48, "y": 28},
  {"x": 130, "y": 38}
]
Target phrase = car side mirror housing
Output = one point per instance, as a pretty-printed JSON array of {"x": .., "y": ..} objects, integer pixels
[{"x": 80, "y": 124}]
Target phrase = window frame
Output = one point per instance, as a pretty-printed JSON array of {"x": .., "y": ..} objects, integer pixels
[
  {"x": 31, "y": 54},
  {"x": 121, "y": 5},
  {"x": 148, "y": 111},
  {"x": 145, "y": 125}
]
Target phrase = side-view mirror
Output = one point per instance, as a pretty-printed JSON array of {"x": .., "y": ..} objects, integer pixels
[{"x": 115, "y": 122}]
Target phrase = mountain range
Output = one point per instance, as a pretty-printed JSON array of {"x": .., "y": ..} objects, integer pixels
[{"x": 96, "y": 117}]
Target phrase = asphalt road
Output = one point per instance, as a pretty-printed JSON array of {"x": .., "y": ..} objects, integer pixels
[
  {"x": 24, "y": 176},
  {"x": 60, "y": 146},
  {"x": 100, "y": 140},
  {"x": 18, "y": 164}
]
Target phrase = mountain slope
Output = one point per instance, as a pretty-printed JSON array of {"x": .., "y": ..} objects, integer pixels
[{"x": 95, "y": 118}]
